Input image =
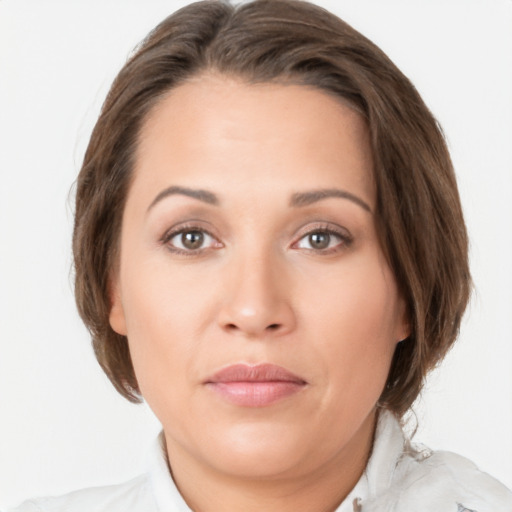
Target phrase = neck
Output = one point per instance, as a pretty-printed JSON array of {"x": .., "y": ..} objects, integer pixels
[{"x": 320, "y": 489}]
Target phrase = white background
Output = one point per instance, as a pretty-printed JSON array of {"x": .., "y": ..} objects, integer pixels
[{"x": 62, "y": 426}]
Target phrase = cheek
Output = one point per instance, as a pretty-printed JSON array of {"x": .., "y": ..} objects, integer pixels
[
  {"x": 152, "y": 327},
  {"x": 166, "y": 311},
  {"x": 356, "y": 314},
  {"x": 359, "y": 299}
]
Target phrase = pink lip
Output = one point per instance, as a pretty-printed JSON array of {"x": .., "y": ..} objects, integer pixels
[{"x": 255, "y": 386}]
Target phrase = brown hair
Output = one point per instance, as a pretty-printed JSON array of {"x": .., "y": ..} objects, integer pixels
[{"x": 419, "y": 215}]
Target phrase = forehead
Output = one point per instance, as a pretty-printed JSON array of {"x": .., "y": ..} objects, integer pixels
[{"x": 215, "y": 128}]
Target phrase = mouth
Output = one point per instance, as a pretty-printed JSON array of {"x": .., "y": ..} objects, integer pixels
[{"x": 255, "y": 385}]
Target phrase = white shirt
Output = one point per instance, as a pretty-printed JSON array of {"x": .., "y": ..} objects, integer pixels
[{"x": 400, "y": 477}]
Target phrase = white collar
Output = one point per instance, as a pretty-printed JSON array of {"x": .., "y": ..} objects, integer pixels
[
  {"x": 167, "y": 496},
  {"x": 388, "y": 447}
]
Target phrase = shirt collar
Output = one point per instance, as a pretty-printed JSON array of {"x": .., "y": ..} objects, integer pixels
[
  {"x": 165, "y": 492},
  {"x": 387, "y": 449}
]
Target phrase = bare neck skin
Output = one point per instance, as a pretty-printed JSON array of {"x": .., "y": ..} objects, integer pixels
[{"x": 205, "y": 490}]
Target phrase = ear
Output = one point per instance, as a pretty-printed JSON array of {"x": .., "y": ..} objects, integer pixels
[
  {"x": 116, "y": 317},
  {"x": 403, "y": 324}
]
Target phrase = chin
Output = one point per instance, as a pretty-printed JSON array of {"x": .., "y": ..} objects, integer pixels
[
  {"x": 260, "y": 461},
  {"x": 263, "y": 451}
]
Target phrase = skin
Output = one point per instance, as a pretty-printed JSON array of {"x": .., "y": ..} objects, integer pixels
[{"x": 257, "y": 290}]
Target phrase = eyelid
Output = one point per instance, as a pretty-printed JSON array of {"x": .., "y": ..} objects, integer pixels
[
  {"x": 325, "y": 227},
  {"x": 184, "y": 228}
]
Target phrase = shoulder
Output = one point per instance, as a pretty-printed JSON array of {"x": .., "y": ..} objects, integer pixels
[
  {"x": 406, "y": 476},
  {"x": 134, "y": 495},
  {"x": 153, "y": 491},
  {"x": 433, "y": 480}
]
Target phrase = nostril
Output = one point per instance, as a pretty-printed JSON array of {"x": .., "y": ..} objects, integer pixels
[{"x": 273, "y": 327}]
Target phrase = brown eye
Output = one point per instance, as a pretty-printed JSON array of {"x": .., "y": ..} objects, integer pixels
[
  {"x": 324, "y": 241},
  {"x": 192, "y": 239},
  {"x": 319, "y": 240}
]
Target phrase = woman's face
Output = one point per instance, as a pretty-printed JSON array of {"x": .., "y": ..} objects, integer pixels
[{"x": 260, "y": 311}]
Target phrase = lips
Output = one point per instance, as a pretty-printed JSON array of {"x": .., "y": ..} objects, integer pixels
[{"x": 255, "y": 386}]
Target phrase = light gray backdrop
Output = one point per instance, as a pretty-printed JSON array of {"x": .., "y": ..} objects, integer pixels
[{"x": 62, "y": 426}]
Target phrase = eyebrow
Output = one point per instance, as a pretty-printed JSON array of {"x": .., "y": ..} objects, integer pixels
[
  {"x": 301, "y": 199},
  {"x": 202, "y": 195},
  {"x": 297, "y": 200}
]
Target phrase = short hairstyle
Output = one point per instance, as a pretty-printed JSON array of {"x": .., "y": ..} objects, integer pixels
[{"x": 418, "y": 213}]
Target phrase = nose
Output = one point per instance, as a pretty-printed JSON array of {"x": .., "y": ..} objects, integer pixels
[{"x": 257, "y": 300}]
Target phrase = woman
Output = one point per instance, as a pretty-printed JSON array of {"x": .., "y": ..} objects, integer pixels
[{"x": 269, "y": 248}]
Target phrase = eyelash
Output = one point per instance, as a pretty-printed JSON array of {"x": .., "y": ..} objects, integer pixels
[
  {"x": 169, "y": 235},
  {"x": 344, "y": 237}
]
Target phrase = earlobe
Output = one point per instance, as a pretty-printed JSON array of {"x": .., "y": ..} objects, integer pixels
[
  {"x": 404, "y": 323},
  {"x": 116, "y": 316},
  {"x": 402, "y": 337},
  {"x": 404, "y": 328}
]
